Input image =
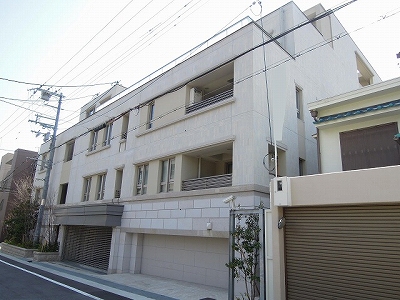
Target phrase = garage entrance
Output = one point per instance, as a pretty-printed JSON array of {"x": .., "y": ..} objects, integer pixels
[
  {"x": 88, "y": 245},
  {"x": 342, "y": 252}
]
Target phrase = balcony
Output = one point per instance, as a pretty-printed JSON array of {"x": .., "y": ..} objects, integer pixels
[
  {"x": 207, "y": 182},
  {"x": 210, "y": 101}
]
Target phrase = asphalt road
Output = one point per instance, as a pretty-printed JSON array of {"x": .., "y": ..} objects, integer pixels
[{"x": 20, "y": 282}]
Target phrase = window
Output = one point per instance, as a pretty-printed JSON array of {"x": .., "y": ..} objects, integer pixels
[
  {"x": 107, "y": 134},
  {"x": 101, "y": 186},
  {"x": 118, "y": 183},
  {"x": 150, "y": 117},
  {"x": 93, "y": 140},
  {"x": 63, "y": 193},
  {"x": 142, "y": 176},
  {"x": 86, "y": 188},
  {"x": 125, "y": 123},
  {"x": 301, "y": 166},
  {"x": 167, "y": 175},
  {"x": 299, "y": 103},
  {"x": 69, "y": 150},
  {"x": 43, "y": 162},
  {"x": 90, "y": 111}
]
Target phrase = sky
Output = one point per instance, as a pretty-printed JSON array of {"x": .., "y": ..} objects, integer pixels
[{"x": 86, "y": 45}]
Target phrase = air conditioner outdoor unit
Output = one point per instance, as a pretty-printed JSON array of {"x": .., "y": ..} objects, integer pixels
[
  {"x": 195, "y": 95},
  {"x": 282, "y": 191}
]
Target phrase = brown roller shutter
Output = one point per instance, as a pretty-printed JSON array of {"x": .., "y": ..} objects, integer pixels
[
  {"x": 369, "y": 147},
  {"x": 88, "y": 245},
  {"x": 350, "y": 252}
]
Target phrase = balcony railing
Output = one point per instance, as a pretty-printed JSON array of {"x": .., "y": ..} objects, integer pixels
[
  {"x": 207, "y": 182},
  {"x": 210, "y": 101}
]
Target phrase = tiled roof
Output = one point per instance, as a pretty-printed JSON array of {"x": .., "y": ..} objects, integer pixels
[{"x": 358, "y": 111}]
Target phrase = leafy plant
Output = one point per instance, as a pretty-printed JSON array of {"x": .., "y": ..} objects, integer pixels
[
  {"x": 246, "y": 246},
  {"x": 21, "y": 220}
]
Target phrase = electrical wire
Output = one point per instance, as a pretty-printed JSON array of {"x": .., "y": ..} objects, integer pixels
[
  {"x": 52, "y": 85},
  {"x": 84, "y": 46},
  {"x": 246, "y": 78},
  {"x": 136, "y": 45},
  {"x": 236, "y": 82},
  {"x": 98, "y": 47}
]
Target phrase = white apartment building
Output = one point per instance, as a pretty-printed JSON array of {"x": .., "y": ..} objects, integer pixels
[{"x": 142, "y": 191}]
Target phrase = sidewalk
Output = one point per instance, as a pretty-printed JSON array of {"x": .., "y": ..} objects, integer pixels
[{"x": 133, "y": 286}]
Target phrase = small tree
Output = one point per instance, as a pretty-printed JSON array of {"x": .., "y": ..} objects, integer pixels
[
  {"x": 246, "y": 244},
  {"x": 21, "y": 220},
  {"x": 50, "y": 240}
]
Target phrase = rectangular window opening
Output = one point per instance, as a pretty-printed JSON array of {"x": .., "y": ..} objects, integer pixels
[
  {"x": 150, "y": 117},
  {"x": 86, "y": 188},
  {"x": 299, "y": 103},
  {"x": 101, "y": 186},
  {"x": 142, "y": 177},
  {"x": 167, "y": 175}
]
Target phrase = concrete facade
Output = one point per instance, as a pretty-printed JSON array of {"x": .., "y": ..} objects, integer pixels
[{"x": 198, "y": 133}]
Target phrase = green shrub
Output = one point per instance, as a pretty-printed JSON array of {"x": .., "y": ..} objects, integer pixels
[{"x": 20, "y": 223}]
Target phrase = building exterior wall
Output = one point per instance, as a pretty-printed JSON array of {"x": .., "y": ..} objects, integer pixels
[
  {"x": 370, "y": 96},
  {"x": 14, "y": 167},
  {"x": 335, "y": 190},
  {"x": 234, "y": 130}
]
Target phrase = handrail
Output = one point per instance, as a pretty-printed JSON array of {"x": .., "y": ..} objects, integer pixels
[{"x": 209, "y": 101}]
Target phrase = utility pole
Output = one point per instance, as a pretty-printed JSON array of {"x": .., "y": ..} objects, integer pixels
[{"x": 49, "y": 164}]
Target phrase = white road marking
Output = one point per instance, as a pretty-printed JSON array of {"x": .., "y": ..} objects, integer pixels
[{"x": 53, "y": 281}]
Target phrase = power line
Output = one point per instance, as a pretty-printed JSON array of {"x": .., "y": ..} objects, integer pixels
[
  {"x": 238, "y": 81},
  {"x": 90, "y": 40},
  {"x": 136, "y": 45},
  {"x": 121, "y": 60},
  {"x": 53, "y": 85},
  {"x": 336, "y": 37},
  {"x": 272, "y": 39},
  {"x": 98, "y": 47},
  {"x": 34, "y": 101}
]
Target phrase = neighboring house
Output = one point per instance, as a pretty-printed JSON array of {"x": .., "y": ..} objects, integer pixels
[
  {"x": 14, "y": 167},
  {"x": 142, "y": 191},
  {"x": 341, "y": 238}
]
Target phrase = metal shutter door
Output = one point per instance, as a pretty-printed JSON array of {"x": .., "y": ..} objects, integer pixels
[
  {"x": 350, "y": 252},
  {"x": 369, "y": 147},
  {"x": 88, "y": 245}
]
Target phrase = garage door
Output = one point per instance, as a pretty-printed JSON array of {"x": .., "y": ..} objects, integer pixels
[
  {"x": 88, "y": 245},
  {"x": 192, "y": 259},
  {"x": 350, "y": 252}
]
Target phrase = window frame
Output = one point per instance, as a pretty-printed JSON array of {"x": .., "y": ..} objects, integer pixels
[
  {"x": 107, "y": 134},
  {"x": 94, "y": 136},
  {"x": 87, "y": 182},
  {"x": 167, "y": 182},
  {"x": 119, "y": 174},
  {"x": 299, "y": 102},
  {"x": 125, "y": 125},
  {"x": 142, "y": 177},
  {"x": 90, "y": 111},
  {"x": 69, "y": 150},
  {"x": 150, "y": 115},
  {"x": 101, "y": 186}
]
